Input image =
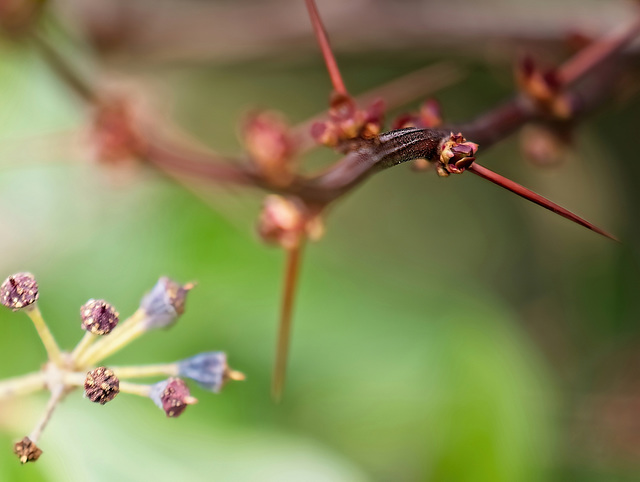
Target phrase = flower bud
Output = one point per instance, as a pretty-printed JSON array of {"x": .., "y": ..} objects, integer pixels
[
  {"x": 281, "y": 221},
  {"x": 26, "y": 450},
  {"x": 347, "y": 122},
  {"x": 209, "y": 370},
  {"x": 271, "y": 146},
  {"x": 98, "y": 317},
  {"x": 456, "y": 155},
  {"x": 101, "y": 385},
  {"x": 164, "y": 303},
  {"x": 325, "y": 133},
  {"x": 172, "y": 396},
  {"x": 19, "y": 291},
  {"x": 114, "y": 132},
  {"x": 544, "y": 146}
]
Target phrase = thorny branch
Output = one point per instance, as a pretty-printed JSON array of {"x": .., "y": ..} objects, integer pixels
[{"x": 557, "y": 98}]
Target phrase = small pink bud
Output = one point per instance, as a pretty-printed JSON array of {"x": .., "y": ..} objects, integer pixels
[
  {"x": 114, "y": 133},
  {"x": 324, "y": 133},
  {"x": 271, "y": 146},
  {"x": 282, "y": 221},
  {"x": 457, "y": 154},
  {"x": 431, "y": 114},
  {"x": 172, "y": 396}
]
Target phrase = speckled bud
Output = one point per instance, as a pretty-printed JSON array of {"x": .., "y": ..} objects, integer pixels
[
  {"x": 26, "y": 450},
  {"x": 19, "y": 291},
  {"x": 98, "y": 317},
  {"x": 172, "y": 396},
  {"x": 164, "y": 303},
  {"x": 101, "y": 385}
]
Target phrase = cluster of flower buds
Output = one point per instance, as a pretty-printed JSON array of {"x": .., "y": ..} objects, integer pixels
[
  {"x": 347, "y": 122},
  {"x": 271, "y": 145},
  {"x": 544, "y": 88},
  {"x": 456, "y": 155},
  {"x": 114, "y": 133},
  {"x": 104, "y": 335},
  {"x": 428, "y": 117},
  {"x": 286, "y": 222}
]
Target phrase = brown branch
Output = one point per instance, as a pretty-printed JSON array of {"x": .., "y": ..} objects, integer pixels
[
  {"x": 396, "y": 93},
  {"x": 185, "y": 160},
  {"x": 366, "y": 156}
]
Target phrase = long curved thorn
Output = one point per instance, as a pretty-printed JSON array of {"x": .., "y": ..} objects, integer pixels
[
  {"x": 325, "y": 47},
  {"x": 528, "y": 194},
  {"x": 292, "y": 269}
]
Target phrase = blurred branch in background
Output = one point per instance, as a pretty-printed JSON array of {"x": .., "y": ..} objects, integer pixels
[
  {"x": 191, "y": 30},
  {"x": 141, "y": 34}
]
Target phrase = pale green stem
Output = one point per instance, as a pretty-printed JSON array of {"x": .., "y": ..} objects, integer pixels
[
  {"x": 56, "y": 396},
  {"x": 22, "y": 385},
  {"x": 93, "y": 357},
  {"x": 122, "y": 335},
  {"x": 144, "y": 371},
  {"x": 135, "y": 389},
  {"x": 84, "y": 344},
  {"x": 53, "y": 351}
]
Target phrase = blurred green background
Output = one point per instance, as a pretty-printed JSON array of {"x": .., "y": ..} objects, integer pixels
[{"x": 445, "y": 330}]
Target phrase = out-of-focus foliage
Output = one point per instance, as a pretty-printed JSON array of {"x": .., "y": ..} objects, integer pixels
[{"x": 444, "y": 331}]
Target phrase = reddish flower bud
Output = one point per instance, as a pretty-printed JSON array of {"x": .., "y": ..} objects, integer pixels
[
  {"x": 114, "y": 132},
  {"x": 19, "y": 291},
  {"x": 544, "y": 146},
  {"x": 431, "y": 113},
  {"x": 347, "y": 122},
  {"x": 456, "y": 155},
  {"x": 101, "y": 385},
  {"x": 172, "y": 396},
  {"x": 430, "y": 116},
  {"x": 325, "y": 133},
  {"x": 271, "y": 146},
  {"x": 282, "y": 221},
  {"x": 285, "y": 221},
  {"x": 544, "y": 88},
  {"x": 405, "y": 120},
  {"x": 98, "y": 317},
  {"x": 26, "y": 450}
]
